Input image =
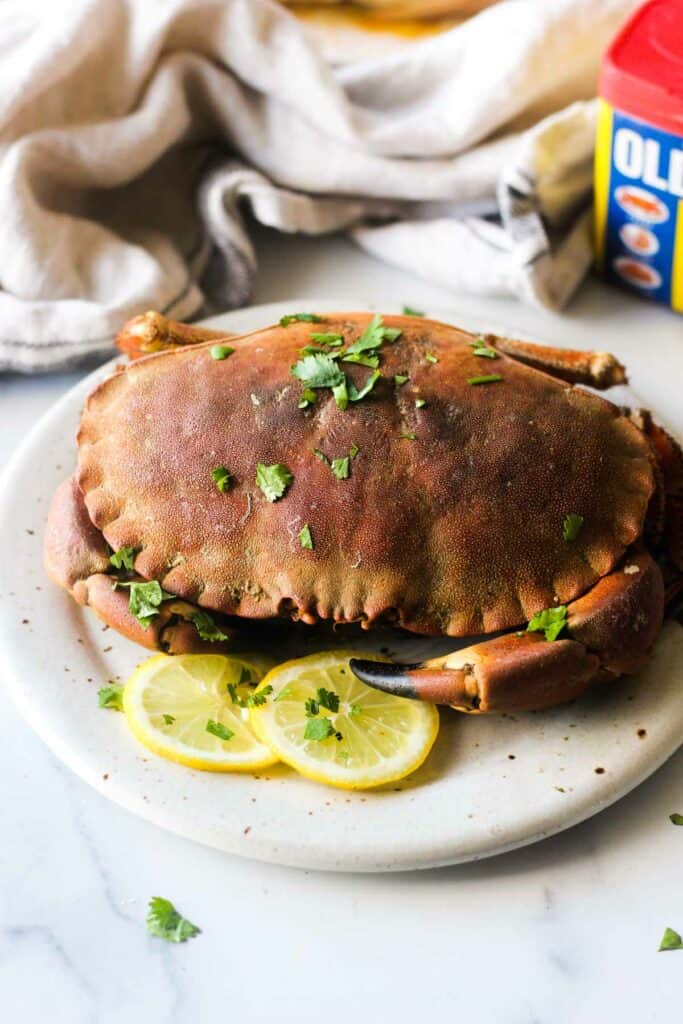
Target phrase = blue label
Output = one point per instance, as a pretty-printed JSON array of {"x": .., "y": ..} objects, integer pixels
[{"x": 645, "y": 188}]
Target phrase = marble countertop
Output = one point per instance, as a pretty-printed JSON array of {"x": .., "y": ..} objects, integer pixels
[{"x": 565, "y": 932}]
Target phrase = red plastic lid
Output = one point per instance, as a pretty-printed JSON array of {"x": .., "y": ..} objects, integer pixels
[{"x": 642, "y": 71}]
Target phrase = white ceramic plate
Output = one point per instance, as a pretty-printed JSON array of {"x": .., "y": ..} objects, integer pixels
[{"x": 490, "y": 784}]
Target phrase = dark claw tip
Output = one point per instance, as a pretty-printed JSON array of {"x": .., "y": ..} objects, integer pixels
[{"x": 385, "y": 675}]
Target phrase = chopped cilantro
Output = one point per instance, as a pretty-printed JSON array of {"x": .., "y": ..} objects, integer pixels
[
  {"x": 487, "y": 378},
  {"x": 164, "y": 921},
  {"x": 307, "y": 318},
  {"x": 221, "y": 351},
  {"x": 551, "y": 622},
  {"x": 273, "y": 480},
  {"x": 145, "y": 599},
  {"x": 221, "y": 477},
  {"x": 571, "y": 528},
  {"x": 670, "y": 940},
  {"x": 311, "y": 707},
  {"x": 372, "y": 337},
  {"x": 206, "y": 627},
  {"x": 408, "y": 437},
  {"x": 328, "y": 699},
  {"x": 168, "y": 719},
  {"x": 340, "y": 468},
  {"x": 111, "y": 696},
  {"x": 306, "y": 538},
  {"x": 400, "y": 379},
  {"x": 420, "y": 403},
  {"x": 356, "y": 395},
  {"x": 676, "y": 819},
  {"x": 341, "y": 394},
  {"x": 124, "y": 558},
  {"x": 480, "y": 348},
  {"x": 363, "y": 360},
  {"x": 318, "y": 371},
  {"x": 333, "y": 340},
  {"x": 219, "y": 730},
  {"x": 256, "y": 700},
  {"x": 320, "y": 455},
  {"x": 319, "y": 729},
  {"x": 355, "y": 710},
  {"x": 430, "y": 357},
  {"x": 307, "y": 398},
  {"x": 353, "y": 451},
  {"x": 234, "y": 697},
  {"x": 409, "y": 311}
]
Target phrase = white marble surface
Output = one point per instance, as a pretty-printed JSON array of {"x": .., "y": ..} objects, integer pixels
[{"x": 565, "y": 932}]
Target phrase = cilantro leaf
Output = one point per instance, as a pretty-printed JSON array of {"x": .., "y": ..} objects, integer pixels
[
  {"x": 318, "y": 371},
  {"x": 353, "y": 451},
  {"x": 307, "y": 318},
  {"x": 363, "y": 360},
  {"x": 221, "y": 351},
  {"x": 355, "y": 395},
  {"x": 571, "y": 528},
  {"x": 319, "y": 729},
  {"x": 221, "y": 477},
  {"x": 431, "y": 358},
  {"x": 207, "y": 628},
  {"x": 551, "y": 622},
  {"x": 256, "y": 700},
  {"x": 306, "y": 538},
  {"x": 328, "y": 699},
  {"x": 670, "y": 940},
  {"x": 371, "y": 339},
  {"x": 408, "y": 311},
  {"x": 355, "y": 710},
  {"x": 487, "y": 378},
  {"x": 307, "y": 398},
  {"x": 480, "y": 348},
  {"x": 311, "y": 707},
  {"x": 168, "y": 719},
  {"x": 333, "y": 340},
  {"x": 408, "y": 437},
  {"x": 320, "y": 455},
  {"x": 145, "y": 599},
  {"x": 420, "y": 403},
  {"x": 273, "y": 480},
  {"x": 341, "y": 393},
  {"x": 400, "y": 379},
  {"x": 340, "y": 468},
  {"x": 164, "y": 921},
  {"x": 676, "y": 819},
  {"x": 219, "y": 730},
  {"x": 111, "y": 696},
  {"x": 124, "y": 558}
]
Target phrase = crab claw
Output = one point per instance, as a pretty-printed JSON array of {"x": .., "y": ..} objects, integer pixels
[
  {"x": 514, "y": 672},
  {"x": 609, "y": 632}
]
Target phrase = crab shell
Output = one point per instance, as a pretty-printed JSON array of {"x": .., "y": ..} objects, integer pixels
[{"x": 450, "y": 522}]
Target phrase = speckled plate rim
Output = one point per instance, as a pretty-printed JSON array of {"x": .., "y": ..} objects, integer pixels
[{"x": 466, "y": 804}]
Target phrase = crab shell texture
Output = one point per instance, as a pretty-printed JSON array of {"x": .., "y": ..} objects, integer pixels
[{"x": 450, "y": 522}]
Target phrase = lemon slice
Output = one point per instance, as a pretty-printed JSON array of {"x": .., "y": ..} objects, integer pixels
[
  {"x": 170, "y": 701},
  {"x": 372, "y": 738}
]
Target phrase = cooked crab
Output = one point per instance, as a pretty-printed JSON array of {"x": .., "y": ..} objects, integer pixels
[{"x": 358, "y": 469}]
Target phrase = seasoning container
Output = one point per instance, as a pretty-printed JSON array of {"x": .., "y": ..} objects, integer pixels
[{"x": 639, "y": 156}]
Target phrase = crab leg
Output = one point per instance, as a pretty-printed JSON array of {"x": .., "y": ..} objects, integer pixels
[
  {"x": 597, "y": 369},
  {"x": 610, "y": 631},
  {"x": 77, "y": 559},
  {"x": 152, "y": 332}
]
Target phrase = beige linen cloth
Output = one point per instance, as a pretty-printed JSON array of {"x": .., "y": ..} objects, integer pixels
[{"x": 134, "y": 135}]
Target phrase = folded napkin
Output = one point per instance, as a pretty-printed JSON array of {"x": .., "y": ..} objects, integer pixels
[{"x": 134, "y": 133}]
